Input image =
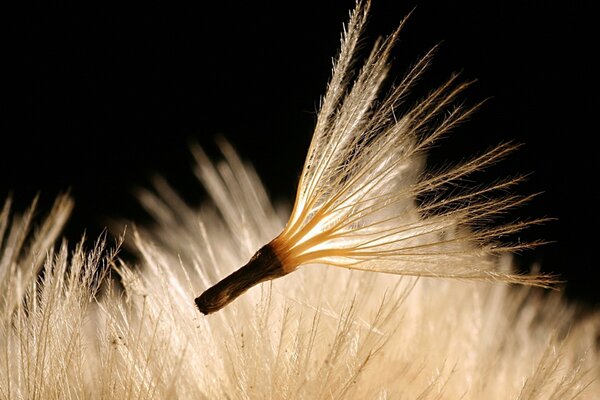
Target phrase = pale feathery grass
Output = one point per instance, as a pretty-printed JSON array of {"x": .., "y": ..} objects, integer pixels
[{"x": 321, "y": 332}]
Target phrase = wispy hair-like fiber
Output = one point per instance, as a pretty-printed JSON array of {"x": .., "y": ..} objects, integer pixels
[{"x": 364, "y": 200}]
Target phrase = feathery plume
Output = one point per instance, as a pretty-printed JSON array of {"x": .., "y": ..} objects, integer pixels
[
  {"x": 63, "y": 335},
  {"x": 363, "y": 200}
]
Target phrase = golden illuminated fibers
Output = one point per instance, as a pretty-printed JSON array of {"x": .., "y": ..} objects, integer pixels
[{"x": 363, "y": 201}]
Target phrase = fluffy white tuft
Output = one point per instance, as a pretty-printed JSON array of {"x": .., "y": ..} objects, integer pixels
[{"x": 319, "y": 333}]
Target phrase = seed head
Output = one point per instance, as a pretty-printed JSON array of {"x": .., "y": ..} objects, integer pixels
[{"x": 363, "y": 200}]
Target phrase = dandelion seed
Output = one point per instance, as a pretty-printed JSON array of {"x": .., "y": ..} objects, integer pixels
[{"x": 364, "y": 202}]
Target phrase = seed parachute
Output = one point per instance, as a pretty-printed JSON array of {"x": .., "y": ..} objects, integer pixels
[{"x": 357, "y": 200}]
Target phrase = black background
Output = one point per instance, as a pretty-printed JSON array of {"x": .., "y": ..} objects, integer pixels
[{"x": 99, "y": 97}]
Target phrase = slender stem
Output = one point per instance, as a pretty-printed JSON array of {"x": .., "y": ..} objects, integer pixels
[{"x": 263, "y": 266}]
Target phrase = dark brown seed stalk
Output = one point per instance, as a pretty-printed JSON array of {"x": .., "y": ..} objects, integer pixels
[{"x": 263, "y": 266}]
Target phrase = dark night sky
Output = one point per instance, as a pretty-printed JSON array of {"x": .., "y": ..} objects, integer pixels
[{"x": 100, "y": 97}]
